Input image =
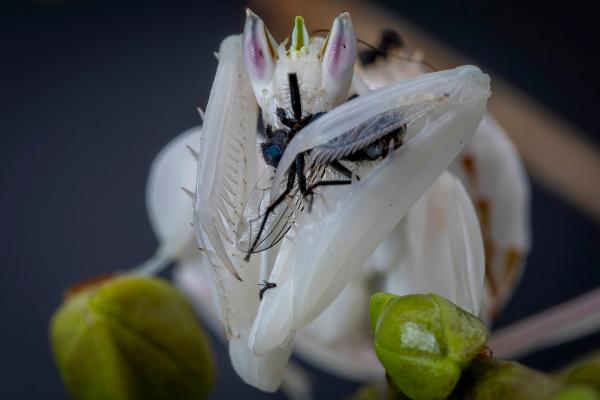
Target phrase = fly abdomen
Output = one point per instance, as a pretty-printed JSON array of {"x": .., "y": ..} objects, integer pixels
[
  {"x": 380, "y": 148},
  {"x": 354, "y": 142}
]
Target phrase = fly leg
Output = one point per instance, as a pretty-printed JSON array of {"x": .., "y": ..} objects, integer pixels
[
  {"x": 299, "y": 165},
  {"x": 309, "y": 191},
  {"x": 311, "y": 188},
  {"x": 290, "y": 185},
  {"x": 339, "y": 167},
  {"x": 302, "y": 179}
]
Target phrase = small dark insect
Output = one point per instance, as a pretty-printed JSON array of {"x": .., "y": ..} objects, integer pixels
[
  {"x": 264, "y": 286},
  {"x": 390, "y": 42},
  {"x": 390, "y": 39}
]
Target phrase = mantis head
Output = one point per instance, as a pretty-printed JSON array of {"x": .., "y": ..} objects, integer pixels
[{"x": 324, "y": 67}]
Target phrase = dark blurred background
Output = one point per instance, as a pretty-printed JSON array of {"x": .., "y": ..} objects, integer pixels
[{"x": 90, "y": 91}]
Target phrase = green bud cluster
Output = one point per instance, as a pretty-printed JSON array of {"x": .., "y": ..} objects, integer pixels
[
  {"x": 424, "y": 342},
  {"x": 131, "y": 338}
]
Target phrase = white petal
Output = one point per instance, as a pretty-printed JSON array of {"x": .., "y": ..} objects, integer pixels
[
  {"x": 344, "y": 317},
  {"x": 195, "y": 281},
  {"x": 351, "y": 359},
  {"x": 333, "y": 241},
  {"x": 494, "y": 176},
  {"x": 169, "y": 208},
  {"x": 296, "y": 383},
  {"x": 339, "y": 341},
  {"x": 444, "y": 250},
  {"x": 388, "y": 254},
  {"x": 265, "y": 371}
]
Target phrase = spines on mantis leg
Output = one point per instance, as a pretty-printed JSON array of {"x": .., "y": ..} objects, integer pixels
[{"x": 227, "y": 156}]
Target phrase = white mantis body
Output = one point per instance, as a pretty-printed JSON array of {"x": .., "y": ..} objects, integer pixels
[{"x": 327, "y": 246}]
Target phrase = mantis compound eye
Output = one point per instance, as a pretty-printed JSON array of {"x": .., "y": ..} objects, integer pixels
[
  {"x": 260, "y": 52},
  {"x": 338, "y": 57}
]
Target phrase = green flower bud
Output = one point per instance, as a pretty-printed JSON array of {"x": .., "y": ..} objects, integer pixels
[
  {"x": 488, "y": 379},
  {"x": 424, "y": 342},
  {"x": 131, "y": 338},
  {"x": 577, "y": 393},
  {"x": 585, "y": 371}
]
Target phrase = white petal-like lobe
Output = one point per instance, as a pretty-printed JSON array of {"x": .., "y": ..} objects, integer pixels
[
  {"x": 169, "y": 208},
  {"x": 344, "y": 317},
  {"x": 444, "y": 249},
  {"x": 352, "y": 360},
  {"x": 495, "y": 178},
  {"x": 264, "y": 371},
  {"x": 227, "y": 166},
  {"x": 348, "y": 223}
]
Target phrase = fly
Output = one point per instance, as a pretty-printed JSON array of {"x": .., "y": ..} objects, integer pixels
[
  {"x": 389, "y": 39},
  {"x": 264, "y": 286},
  {"x": 264, "y": 222}
]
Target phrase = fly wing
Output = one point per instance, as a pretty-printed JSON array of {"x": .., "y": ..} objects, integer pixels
[
  {"x": 279, "y": 221},
  {"x": 364, "y": 134},
  {"x": 356, "y": 122}
]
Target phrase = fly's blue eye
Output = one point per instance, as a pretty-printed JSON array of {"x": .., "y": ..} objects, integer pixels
[
  {"x": 274, "y": 151},
  {"x": 272, "y": 154}
]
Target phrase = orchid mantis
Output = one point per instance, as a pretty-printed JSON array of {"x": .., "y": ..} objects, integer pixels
[
  {"x": 328, "y": 246},
  {"x": 436, "y": 247}
]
